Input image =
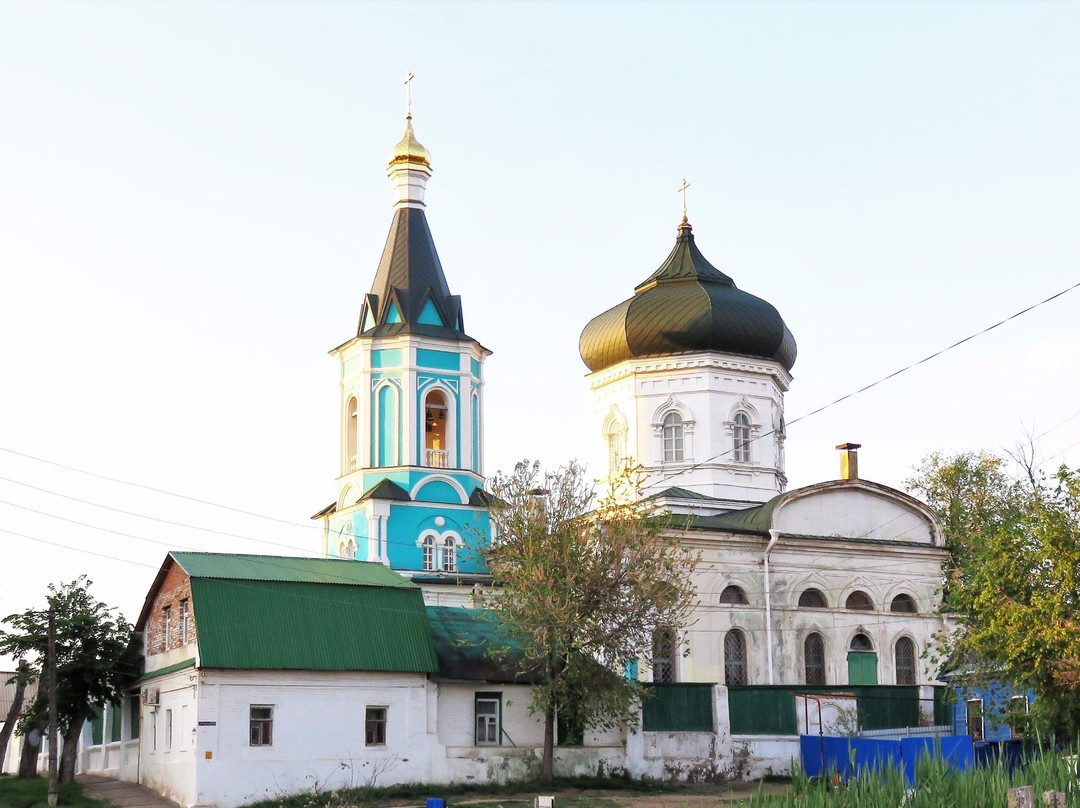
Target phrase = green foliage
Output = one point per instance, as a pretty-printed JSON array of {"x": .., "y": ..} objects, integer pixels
[
  {"x": 583, "y": 585},
  {"x": 33, "y": 792},
  {"x": 1014, "y": 581}
]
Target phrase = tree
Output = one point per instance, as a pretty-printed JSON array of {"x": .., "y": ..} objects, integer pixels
[
  {"x": 583, "y": 586},
  {"x": 95, "y": 658},
  {"x": 21, "y": 679},
  {"x": 1014, "y": 580}
]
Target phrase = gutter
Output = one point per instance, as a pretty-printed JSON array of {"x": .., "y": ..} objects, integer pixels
[{"x": 774, "y": 537}]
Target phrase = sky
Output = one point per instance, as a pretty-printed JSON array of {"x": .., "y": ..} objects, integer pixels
[{"x": 193, "y": 202}]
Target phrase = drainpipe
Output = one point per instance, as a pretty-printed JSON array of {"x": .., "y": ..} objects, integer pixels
[{"x": 774, "y": 537}]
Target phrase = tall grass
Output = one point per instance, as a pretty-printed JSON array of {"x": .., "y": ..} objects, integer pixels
[{"x": 936, "y": 786}]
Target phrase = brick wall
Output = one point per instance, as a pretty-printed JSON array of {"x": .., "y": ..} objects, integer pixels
[{"x": 175, "y": 590}]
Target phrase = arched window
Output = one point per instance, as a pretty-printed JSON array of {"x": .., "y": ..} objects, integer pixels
[
  {"x": 388, "y": 431},
  {"x": 663, "y": 656},
  {"x": 740, "y": 449},
  {"x": 436, "y": 446},
  {"x": 813, "y": 599},
  {"x": 673, "y": 438},
  {"x": 906, "y": 670},
  {"x": 860, "y": 642},
  {"x": 733, "y": 596},
  {"x": 615, "y": 449},
  {"x": 449, "y": 558},
  {"x": 814, "y": 659},
  {"x": 904, "y": 604},
  {"x": 859, "y": 601},
  {"x": 429, "y": 552},
  {"x": 735, "y": 658},
  {"x": 351, "y": 432}
]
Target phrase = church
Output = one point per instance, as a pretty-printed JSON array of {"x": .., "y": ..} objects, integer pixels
[{"x": 269, "y": 675}]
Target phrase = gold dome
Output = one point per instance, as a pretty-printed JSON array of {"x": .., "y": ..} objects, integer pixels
[{"x": 409, "y": 149}]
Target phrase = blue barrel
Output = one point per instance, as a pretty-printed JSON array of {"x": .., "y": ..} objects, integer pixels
[{"x": 436, "y": 802}]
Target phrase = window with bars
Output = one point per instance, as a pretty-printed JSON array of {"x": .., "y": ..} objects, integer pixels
[
  {"x": 813, "y": 599},
  {"x": 904, "y": 604},
  {"x": 906, "y": 668},
  {"x": 672, "y": 436},
  {"x": 663, "y": 656},
  {"x": 733, "y": 596},
  {"x": 375, "y": 726},
  {"x": 735, "y": 658},
  {"x": 814, "y": 659},
  {"x": 859, "y": 601}
]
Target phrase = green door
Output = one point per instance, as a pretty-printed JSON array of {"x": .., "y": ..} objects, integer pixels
[{"x": 861, "y": 668}]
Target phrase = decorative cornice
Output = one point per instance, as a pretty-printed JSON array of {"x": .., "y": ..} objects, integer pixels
[{"x": 690, "y": 362}]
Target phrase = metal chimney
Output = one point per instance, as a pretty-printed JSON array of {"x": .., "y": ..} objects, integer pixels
[{"x": 849, "y": 461}]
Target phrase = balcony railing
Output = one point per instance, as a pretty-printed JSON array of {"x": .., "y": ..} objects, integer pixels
[{"x": 437, "y": 458}]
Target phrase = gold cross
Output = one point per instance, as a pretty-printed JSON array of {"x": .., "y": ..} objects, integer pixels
[
  {"x": 408, "y": 93},
  {"x": 682, "y": 188}
]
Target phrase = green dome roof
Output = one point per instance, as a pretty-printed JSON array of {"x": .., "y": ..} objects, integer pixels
[{"x": 687, "y": 305}]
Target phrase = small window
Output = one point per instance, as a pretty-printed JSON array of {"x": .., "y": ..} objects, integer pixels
[
  {"x": 904, "y": 604},
  {"x": 429, "y": 552},
  {"x": 672, "y": 433},
  {"x": 168, "y": 730},
  {"x": 741, "y": 439},
  {"x": 663, "y": 657},
  {"x": 436, "y": 431},
  {"x": 488, "y": 711},
  {"x": 615, "y": 450},
  {"x": 184, "y": 622},
  {"x": 860, "y": 642},
  {"x": 906, "y": 668},
  {"x": 166, "y": 626},
  {"x": 351, "y": 432},
  {"x": 859, "y": 601},
  {"x": 733, "y": 596},
  {"x": 153, "y": 731},
  {"x": 261, "y": 724},
  {"x": 375, "y": 726},
  {"x": 975, "y": 719},
  {"x": 1018, "y": 711},
  {"x": 735, "y": 658},
  {"x": 813, "y": 599},
  {"x": 449, "y": 559},
  {"x": 814, "y": 659}
]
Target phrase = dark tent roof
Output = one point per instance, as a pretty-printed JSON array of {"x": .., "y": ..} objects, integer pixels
[{"x": 471, "y": 647}]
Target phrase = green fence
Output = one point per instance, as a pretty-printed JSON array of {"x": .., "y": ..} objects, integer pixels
[
  {"x": 678, "y": 708},
  {"x": 770, "y": 709}
]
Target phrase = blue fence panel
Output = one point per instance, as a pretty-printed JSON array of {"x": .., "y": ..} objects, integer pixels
[{"x": 957, "y": 751}]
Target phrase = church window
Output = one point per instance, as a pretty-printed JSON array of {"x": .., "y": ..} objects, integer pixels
[
  {"x": 733, "y": 596},
  {"x": 375, "y": 726},
  {"x": 449, "y": 559},
  {"x": 735, "y": 658},
  {"x": 672, "y": 433},
  {"x": 814, "y": 659},
  {"x": 387, "y": 421},
  {"x": 906, "y": 670},
  {"x": 429, "y": 553},
  {"x": 488, "y": 711},
  {"x": 184, "y": 622},
  {"x": 904, "y": 604},
  {"x": 351, "y": 433},
  {"x": 859, "y": 601},
  {"x": 261, "y": 725},
  {"x": 813, "y": 599},
  {"x": 663, "y": 656},
  {"x": 615, "y": 450},
  {"x": 860, "y": 642},
  {"x": 741, "y": 439},
  {"x": 166, "y": 626},
  {"x": 436, "y": 447}
]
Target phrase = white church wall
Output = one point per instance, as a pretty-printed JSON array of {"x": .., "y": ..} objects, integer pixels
[{"x": 853, "y": 513}]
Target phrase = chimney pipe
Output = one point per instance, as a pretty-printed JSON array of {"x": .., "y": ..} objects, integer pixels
[{"x": 849, "y": 461}]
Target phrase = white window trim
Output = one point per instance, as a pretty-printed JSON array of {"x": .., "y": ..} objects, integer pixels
[{"x": 439, "y": 554}]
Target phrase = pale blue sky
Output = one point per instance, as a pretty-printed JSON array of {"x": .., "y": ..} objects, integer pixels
[{"x": 193, "y": 202}]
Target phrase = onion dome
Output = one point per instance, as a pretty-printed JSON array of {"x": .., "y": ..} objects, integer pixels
[
  {"x": 687, "y": 305},
  {"x": 409, "y": 149}
]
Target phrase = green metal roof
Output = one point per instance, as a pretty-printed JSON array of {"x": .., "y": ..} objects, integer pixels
[
  {"x": 179, "y": 666},
  {"x": 286, "y": 568},
  {"x": 757, "y": 519},
  {"x": 464, "y": 639},
  {"x": 305, "y": 625}
]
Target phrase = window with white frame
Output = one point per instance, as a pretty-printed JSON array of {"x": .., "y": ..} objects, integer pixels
[
  {"x": 672, "y": 438},
  {"x": 375, "y": 726},
  {"x": 352, "y": 432},
  {"x": 429, "y": 552},
  {"x": 615, "y": 442},
  {"x": 168, "y": 730},
  {"x": 261, "y": 725},
  {"x": 488, "y": 711},
  {"x": 184, "y": 621},
  {"x": 740, "y": 448},
  {"x": 166, "y": 626},
  {"x": 975, "y": 719},
  {"x": 153, "y": 731},
  {"x": 449, "y": 558},
  {"x": 1019, "y": 706}
]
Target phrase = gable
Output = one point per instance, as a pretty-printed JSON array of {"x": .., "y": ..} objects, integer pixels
[{"x": 854, "y": 512}]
